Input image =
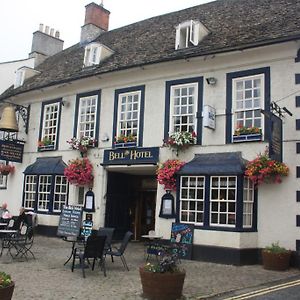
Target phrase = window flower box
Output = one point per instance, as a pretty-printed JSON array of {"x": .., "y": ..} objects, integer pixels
[
  {"x": 45, "y": 144},
  {"x": 247, "y": 137},
  {"x": 82, "y": 144},
  {"x": 123, "y": 141},
  {"x": 125, "y": 145}
]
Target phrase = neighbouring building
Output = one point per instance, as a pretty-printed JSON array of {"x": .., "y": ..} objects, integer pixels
[{"x": 210, "y": 69}]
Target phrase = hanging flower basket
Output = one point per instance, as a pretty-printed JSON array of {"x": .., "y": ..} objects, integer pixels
[
  {"x": 79, "y": 172},
  {"x": 265, "y": 170},
  {"x": 166, "y": 173},
  {"x": 6, "y": 169},
  {"x": 180, "y": 140}
]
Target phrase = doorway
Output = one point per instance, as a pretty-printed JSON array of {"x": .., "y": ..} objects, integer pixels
[{"x": 130, "y": 203}]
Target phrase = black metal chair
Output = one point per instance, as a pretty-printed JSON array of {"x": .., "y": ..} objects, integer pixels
[
  {"x": 108, "y": 232},
  {"x": 120, "y": 251},
  {"x": 94, "y": 249}
]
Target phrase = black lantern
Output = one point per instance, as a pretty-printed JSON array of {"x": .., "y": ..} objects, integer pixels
[
  {"x": 167, "y": 207},
  {"x": 89, "y": 201}
]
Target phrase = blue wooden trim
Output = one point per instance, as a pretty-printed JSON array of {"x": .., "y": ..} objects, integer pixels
[
  {"x": 297, "y": 78},
  {"x": 254, "y": 218},
  {"x": 297, "y": 100},
  {"x": 297, "y": 58},
  {"x": 297, "y": 148},
  {"x": 297, "y": 124},
  {"x": 206, "y": 218},
  {"x": 140, "y": 88},
  {"x": 298, "y": 220},
  {"x": 177, "y": 200},
  {"x": 297, "y": 172},
  {"x": 59, "y": 100},
  {"x": 297, "y": 196},
  {"x": 239, "y": 202},
  {"x": 297, "y": 245},
  {"x": 199, "y": 105},
  {"x": 97, "y": 125},
  {"x": 267, "y": 87}
]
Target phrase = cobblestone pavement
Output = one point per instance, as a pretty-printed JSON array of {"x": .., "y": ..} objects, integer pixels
[{"x": 47, "y": 278}]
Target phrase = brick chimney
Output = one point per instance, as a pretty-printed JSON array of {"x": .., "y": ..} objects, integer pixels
[
  {"x": 45, "y": 42},
  {"x": 96, "y": 21}
]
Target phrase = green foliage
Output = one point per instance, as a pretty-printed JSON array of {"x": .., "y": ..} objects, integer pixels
[
  {"x": 275, "y": 248},
  {"x": 5, "y": 280}
]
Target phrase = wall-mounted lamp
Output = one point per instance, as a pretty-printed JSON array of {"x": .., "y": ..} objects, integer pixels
[
  {"x": 167, "y": 207},
  {"x": 211, "y": 80},
  {"x": 105, "y": 137}
]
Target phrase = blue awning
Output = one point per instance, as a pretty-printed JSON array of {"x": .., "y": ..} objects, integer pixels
[
  {"x": 46, "y": 166},
  {"x": 228, "y": 163}
]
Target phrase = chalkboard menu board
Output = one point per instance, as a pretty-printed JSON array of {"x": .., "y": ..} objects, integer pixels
[
  {"x": 69, "y": 221},
  {"x": 182, "y": 239}
]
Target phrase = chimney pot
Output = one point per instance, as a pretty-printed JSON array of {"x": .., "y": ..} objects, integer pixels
[
  {"x": 57, "y": 34},
  {"x": 47, "y": 30},
  {"x": 52, "y": 31},
  {"x": 41, "y": 27}
]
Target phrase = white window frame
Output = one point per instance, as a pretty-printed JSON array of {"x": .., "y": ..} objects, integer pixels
[
  {"x": 92, "y": 54},
  {"x": 60, "y": 195},
  {"x": 187, "y": 33},
  {"x": 125, "y": 130},
  {"x": 219, "y": 202},
  {"x": 190, "y": 200},
  {"x": 174, "y": 106},
  {"x": 248, "y": 203},
  {"x": 44, "y": 192},
  {"x": 235, "y": 99},
  {"x": 30, "y": 191},
  {"x": 50, "y": 130},
  {"x": 19, "y": 78},
  {"x": 85, "y": 115},
  {"x": 3, "y": 182}
]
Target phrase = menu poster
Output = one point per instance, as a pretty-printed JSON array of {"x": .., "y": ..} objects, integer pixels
[{"x": 70, "y": 221}]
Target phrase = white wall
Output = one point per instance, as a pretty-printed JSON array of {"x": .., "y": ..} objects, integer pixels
[{"x": 277, "y": 207}]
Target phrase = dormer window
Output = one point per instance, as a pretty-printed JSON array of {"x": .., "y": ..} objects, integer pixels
[
  {"x": 189, "y": 33},
  {"x": 92, "y": 54},
  {"x": 95, "y": 53},
  {"x": 19, "y": 79}
]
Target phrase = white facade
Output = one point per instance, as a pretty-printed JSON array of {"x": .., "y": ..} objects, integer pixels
[{"x": 276, "y": 204}]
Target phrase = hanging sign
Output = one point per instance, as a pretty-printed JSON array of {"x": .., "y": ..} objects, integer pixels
[
  {"x": 11, "y": 151},
  {"x": 275, "y": 147},
  {"x": 131, "y": 156},
  {"x": 209, "y": 117}
]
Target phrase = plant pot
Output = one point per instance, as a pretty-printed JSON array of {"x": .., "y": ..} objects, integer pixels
[
  {"x": 125, "y": 145},
  {"x": 247, "y": 137},
  {"x": 7, "y": 292},
  {"x": 276, "y": 261},
  {"x": 162, "y": 286}
]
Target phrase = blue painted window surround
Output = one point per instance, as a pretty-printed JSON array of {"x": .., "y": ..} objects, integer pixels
[
  {"x": 92, "y": 130},
  {"x": 48, "y": 130},
  {"x": 229, "y": 98},
  {"x": 198, "y": 104},
  {"x": 239, "y": 210},
  {"x": 118, "y": 94}
]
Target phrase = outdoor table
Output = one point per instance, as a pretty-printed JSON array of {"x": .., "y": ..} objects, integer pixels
[
  {"x": 73, "y": 240},
  {"x": 152, "y": 246}
]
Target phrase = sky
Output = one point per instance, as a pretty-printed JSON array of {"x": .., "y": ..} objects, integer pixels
[{"x": 20, "y": 18}]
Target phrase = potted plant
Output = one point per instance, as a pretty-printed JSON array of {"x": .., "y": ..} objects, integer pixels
[
  {"x": 246, "y": 134},
  {"x": 82, "y": 144},
  {"x": 45, "y": 144},
  {"x": 275, "y": 257},
  {"x": 180, "y": 140},
  {"x": 125, "y": 141},
  {"x": 162, "y": 280},
  {"x": 6, "y": 286},
  {"x": 166, "y": 173},
  {"x": 264, "y": 169},
  {"x": 79, "y": 172},
  {"x": 6, "y": 169}
]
